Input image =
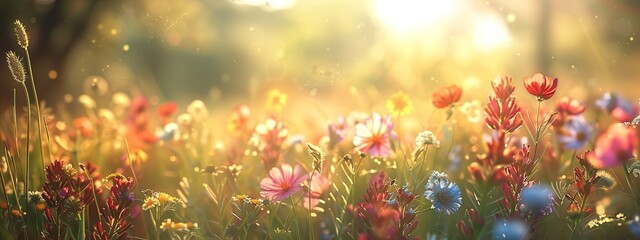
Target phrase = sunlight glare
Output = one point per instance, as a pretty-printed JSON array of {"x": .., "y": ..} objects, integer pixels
[
  {"x": 409, "y": 16},
  {"x": 268, "y": 4},
  {"x": 490, "y": 33}
]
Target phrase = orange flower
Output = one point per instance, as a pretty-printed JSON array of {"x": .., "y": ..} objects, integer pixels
[
  {"x": 16, "y": 213},
  {"x": 447, "y": 96},
  {"x": 239, "y": 118},
  {"x": 41, "y": 206},
  {"x": 541, "y": 86},
  {"x": 165, "y": 111},
  {"x": 84, "y": 126}
]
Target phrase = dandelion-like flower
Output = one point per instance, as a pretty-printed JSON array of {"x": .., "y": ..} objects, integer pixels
[
  {"x": 536, "y": 201},
  {"x": 472, "y": 110},
  {"x": 399, "y": 104},
  {"x": 445, "y": 196},
  {"x": 614, "y": 147},
  {"x": 447, "y": 96},
  {"x": 427, "y": 138},
  {"x": 373, "y": 136},
  {"x": 282, "y": 182},
  {"x": 513, "y": 229},
  {"x": 198, "y": 110},
  {"x": 576, "y": 133},
  {"x": 541, "y": 86},
  {"x": 15, "y": 67}
]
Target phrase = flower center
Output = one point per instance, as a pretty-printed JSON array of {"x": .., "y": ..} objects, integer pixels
[
  {"x": 285, "y": 186},
  {"x": 580, "y": 136},
  {"x": 443, "y": 197}
]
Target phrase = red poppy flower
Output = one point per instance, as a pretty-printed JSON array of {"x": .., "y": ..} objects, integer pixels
[
  {"x": 447, "y": 96},
  {"x": 167, "y": 109},
  {"x": 567, "y": 107},
  {"x": 541, "y": 86},
  {"x": 570, "y": 106}
]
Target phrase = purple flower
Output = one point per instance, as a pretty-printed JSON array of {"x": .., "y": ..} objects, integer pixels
[
  {"x": 576, "y": 133},
  {"x": 620, "y": 108}
]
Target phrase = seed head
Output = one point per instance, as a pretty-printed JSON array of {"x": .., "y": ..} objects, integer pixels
[
  {"x": 21, "y": 34},
  {"x": 16, "y": 67}
]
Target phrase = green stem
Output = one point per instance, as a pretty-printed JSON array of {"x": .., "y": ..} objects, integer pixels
[
  {"x": 293, "y": 208},
  {"x": 537, "y": 127},
  {"x": 26, "y": 172},
  {"x": 35, "y": 97},
  {"x": 15, "y": 121},
  {"x": 310, "y": 208},
  {"x": 630, "y": 184}
]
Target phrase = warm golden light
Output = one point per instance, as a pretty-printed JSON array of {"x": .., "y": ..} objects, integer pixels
[
  {"x": 490, "y": 33},
  {"x": 268, "y": 4},
  {"x": 407, "y": 16}
]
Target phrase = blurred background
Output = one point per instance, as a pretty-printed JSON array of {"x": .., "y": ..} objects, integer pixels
[{"x": 232, "y": 51}]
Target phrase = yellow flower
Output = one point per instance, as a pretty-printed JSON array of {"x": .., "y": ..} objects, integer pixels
[
  {"x": 276, "y": 99},
  {"x": 166, "y": 198},
  {"x": 150, "y": 202},
  {"x": 179, "y": 226},
  {"x": 166, "y": 224},
  {"x": 192, "y": 226},
  {"x": 240, "y": 197},
  {"x": 256, "y": 201},
  {"x": 399, "y": 104}
]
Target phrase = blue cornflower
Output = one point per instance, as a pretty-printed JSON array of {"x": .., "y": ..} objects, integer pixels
[
  {"x": 437, "y": 177},
  {"x": 445, "y": 196},
  {"x": 577, "y": 133},
  {"x": 607, "y": 102},
  {"x": 536, "y": 201},
  {"x": 510, "y": 229},
  {"x": 634, "y": 226}
]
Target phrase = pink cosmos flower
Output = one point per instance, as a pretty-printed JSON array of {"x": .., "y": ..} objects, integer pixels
[
  {"x": 614, "y": 147},
  {"x": 319, "y": 184},
  {"x": 373, "y": 135},
  {"x": 282, "y": 182}
]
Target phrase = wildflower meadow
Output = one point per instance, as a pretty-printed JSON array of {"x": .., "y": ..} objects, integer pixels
[{"x": 511, "y": 157}]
